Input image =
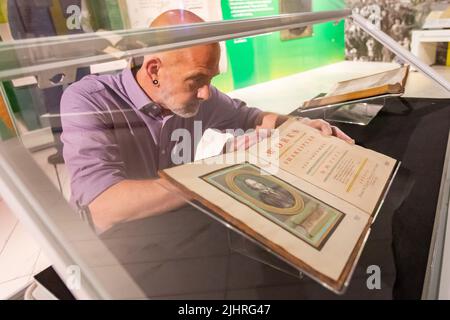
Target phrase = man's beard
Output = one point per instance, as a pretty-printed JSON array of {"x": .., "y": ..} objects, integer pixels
[{"x": 187, "y": 111}]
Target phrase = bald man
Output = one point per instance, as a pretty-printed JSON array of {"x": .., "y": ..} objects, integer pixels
[{"x": 117, "y": 128}]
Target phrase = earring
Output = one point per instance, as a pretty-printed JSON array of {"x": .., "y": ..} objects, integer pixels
[{"x": 155, "y": 82}]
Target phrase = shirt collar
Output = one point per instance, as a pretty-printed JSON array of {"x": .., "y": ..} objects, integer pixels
[{"x": 137, "y": 96}]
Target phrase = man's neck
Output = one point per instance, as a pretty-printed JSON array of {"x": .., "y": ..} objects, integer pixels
[{"x": 143, "y": 81}]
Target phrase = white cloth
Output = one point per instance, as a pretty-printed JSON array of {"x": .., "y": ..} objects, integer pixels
[{"x": 211, "y": 144}]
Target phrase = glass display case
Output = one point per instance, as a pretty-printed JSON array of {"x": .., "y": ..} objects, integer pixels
[{"x": 58, "y": 156}]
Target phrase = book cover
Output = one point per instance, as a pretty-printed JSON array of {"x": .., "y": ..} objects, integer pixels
[{"x": 388, "y": 82}]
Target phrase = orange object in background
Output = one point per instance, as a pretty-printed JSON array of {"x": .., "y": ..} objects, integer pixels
[{"x": 4, "y": 115}]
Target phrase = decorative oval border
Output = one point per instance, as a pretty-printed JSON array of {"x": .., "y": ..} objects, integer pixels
[{"x": 298, "y": 206}]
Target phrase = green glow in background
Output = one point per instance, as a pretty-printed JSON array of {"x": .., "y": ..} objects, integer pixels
[{"x": 266, "y": 57}]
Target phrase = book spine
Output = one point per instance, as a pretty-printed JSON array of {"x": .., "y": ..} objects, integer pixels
[
  {"x": 5, "y": 29},
  {"x": 98, "y": 14},
  {"x": 59, "y": 21},
  {"x": 124, "y": 13},
  {"x": 349, "y": 96},
  {"x": 114, "y": 15},
  {"x": 93, "y": 21},
  {"x": 448, "y": 55},
  {"x": 3, "y": 11}
]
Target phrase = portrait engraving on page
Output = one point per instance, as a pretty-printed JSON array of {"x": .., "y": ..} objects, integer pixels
[{"x": 297, "y": 212}]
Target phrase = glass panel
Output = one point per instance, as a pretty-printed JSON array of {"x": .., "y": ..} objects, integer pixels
[{"x": 96, "y": 122}]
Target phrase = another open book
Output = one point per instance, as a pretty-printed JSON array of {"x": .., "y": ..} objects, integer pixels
[
  {"x": 309, "y": 198},
  {"x": 389, "y": 82}
]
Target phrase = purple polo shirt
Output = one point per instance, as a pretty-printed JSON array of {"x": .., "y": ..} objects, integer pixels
[{"x": 112, "y": 131}]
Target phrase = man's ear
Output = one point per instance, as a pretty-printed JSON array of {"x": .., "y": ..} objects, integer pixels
[{"x": 152, "y": 66}]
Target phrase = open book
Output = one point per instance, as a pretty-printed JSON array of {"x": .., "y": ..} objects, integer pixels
[
  {"x": 388, "y": 82},
  {"x": 309, "y": 198}
]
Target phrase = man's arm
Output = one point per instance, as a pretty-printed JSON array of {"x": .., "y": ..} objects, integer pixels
[
  {"x": 130, "y": 200},
  {"x": 234, "y": 113},
  {"x": 133, "y": 199},
  {"x": 97, "y": 171}
]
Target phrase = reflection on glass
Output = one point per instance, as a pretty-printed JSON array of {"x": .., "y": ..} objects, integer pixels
[{"x": 103, "y": 135}]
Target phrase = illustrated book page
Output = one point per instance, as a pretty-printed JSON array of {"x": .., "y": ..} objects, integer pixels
[{"x": 288, "y": 206}]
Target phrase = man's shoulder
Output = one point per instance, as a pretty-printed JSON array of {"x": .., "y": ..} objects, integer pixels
[
  {"x": 216, "y": 97},
  {"x": 215, "y": 93},
  {"x": 219, "y": 99},
  {"x": 87, "y": 93},
  {"x": 90, "y": 84}
]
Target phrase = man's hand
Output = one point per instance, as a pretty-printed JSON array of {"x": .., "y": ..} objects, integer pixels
[
  {"x": 327, "y": 129},
  {"x": 269, "y": 120},
  {"x": 245, "y": 141}
]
